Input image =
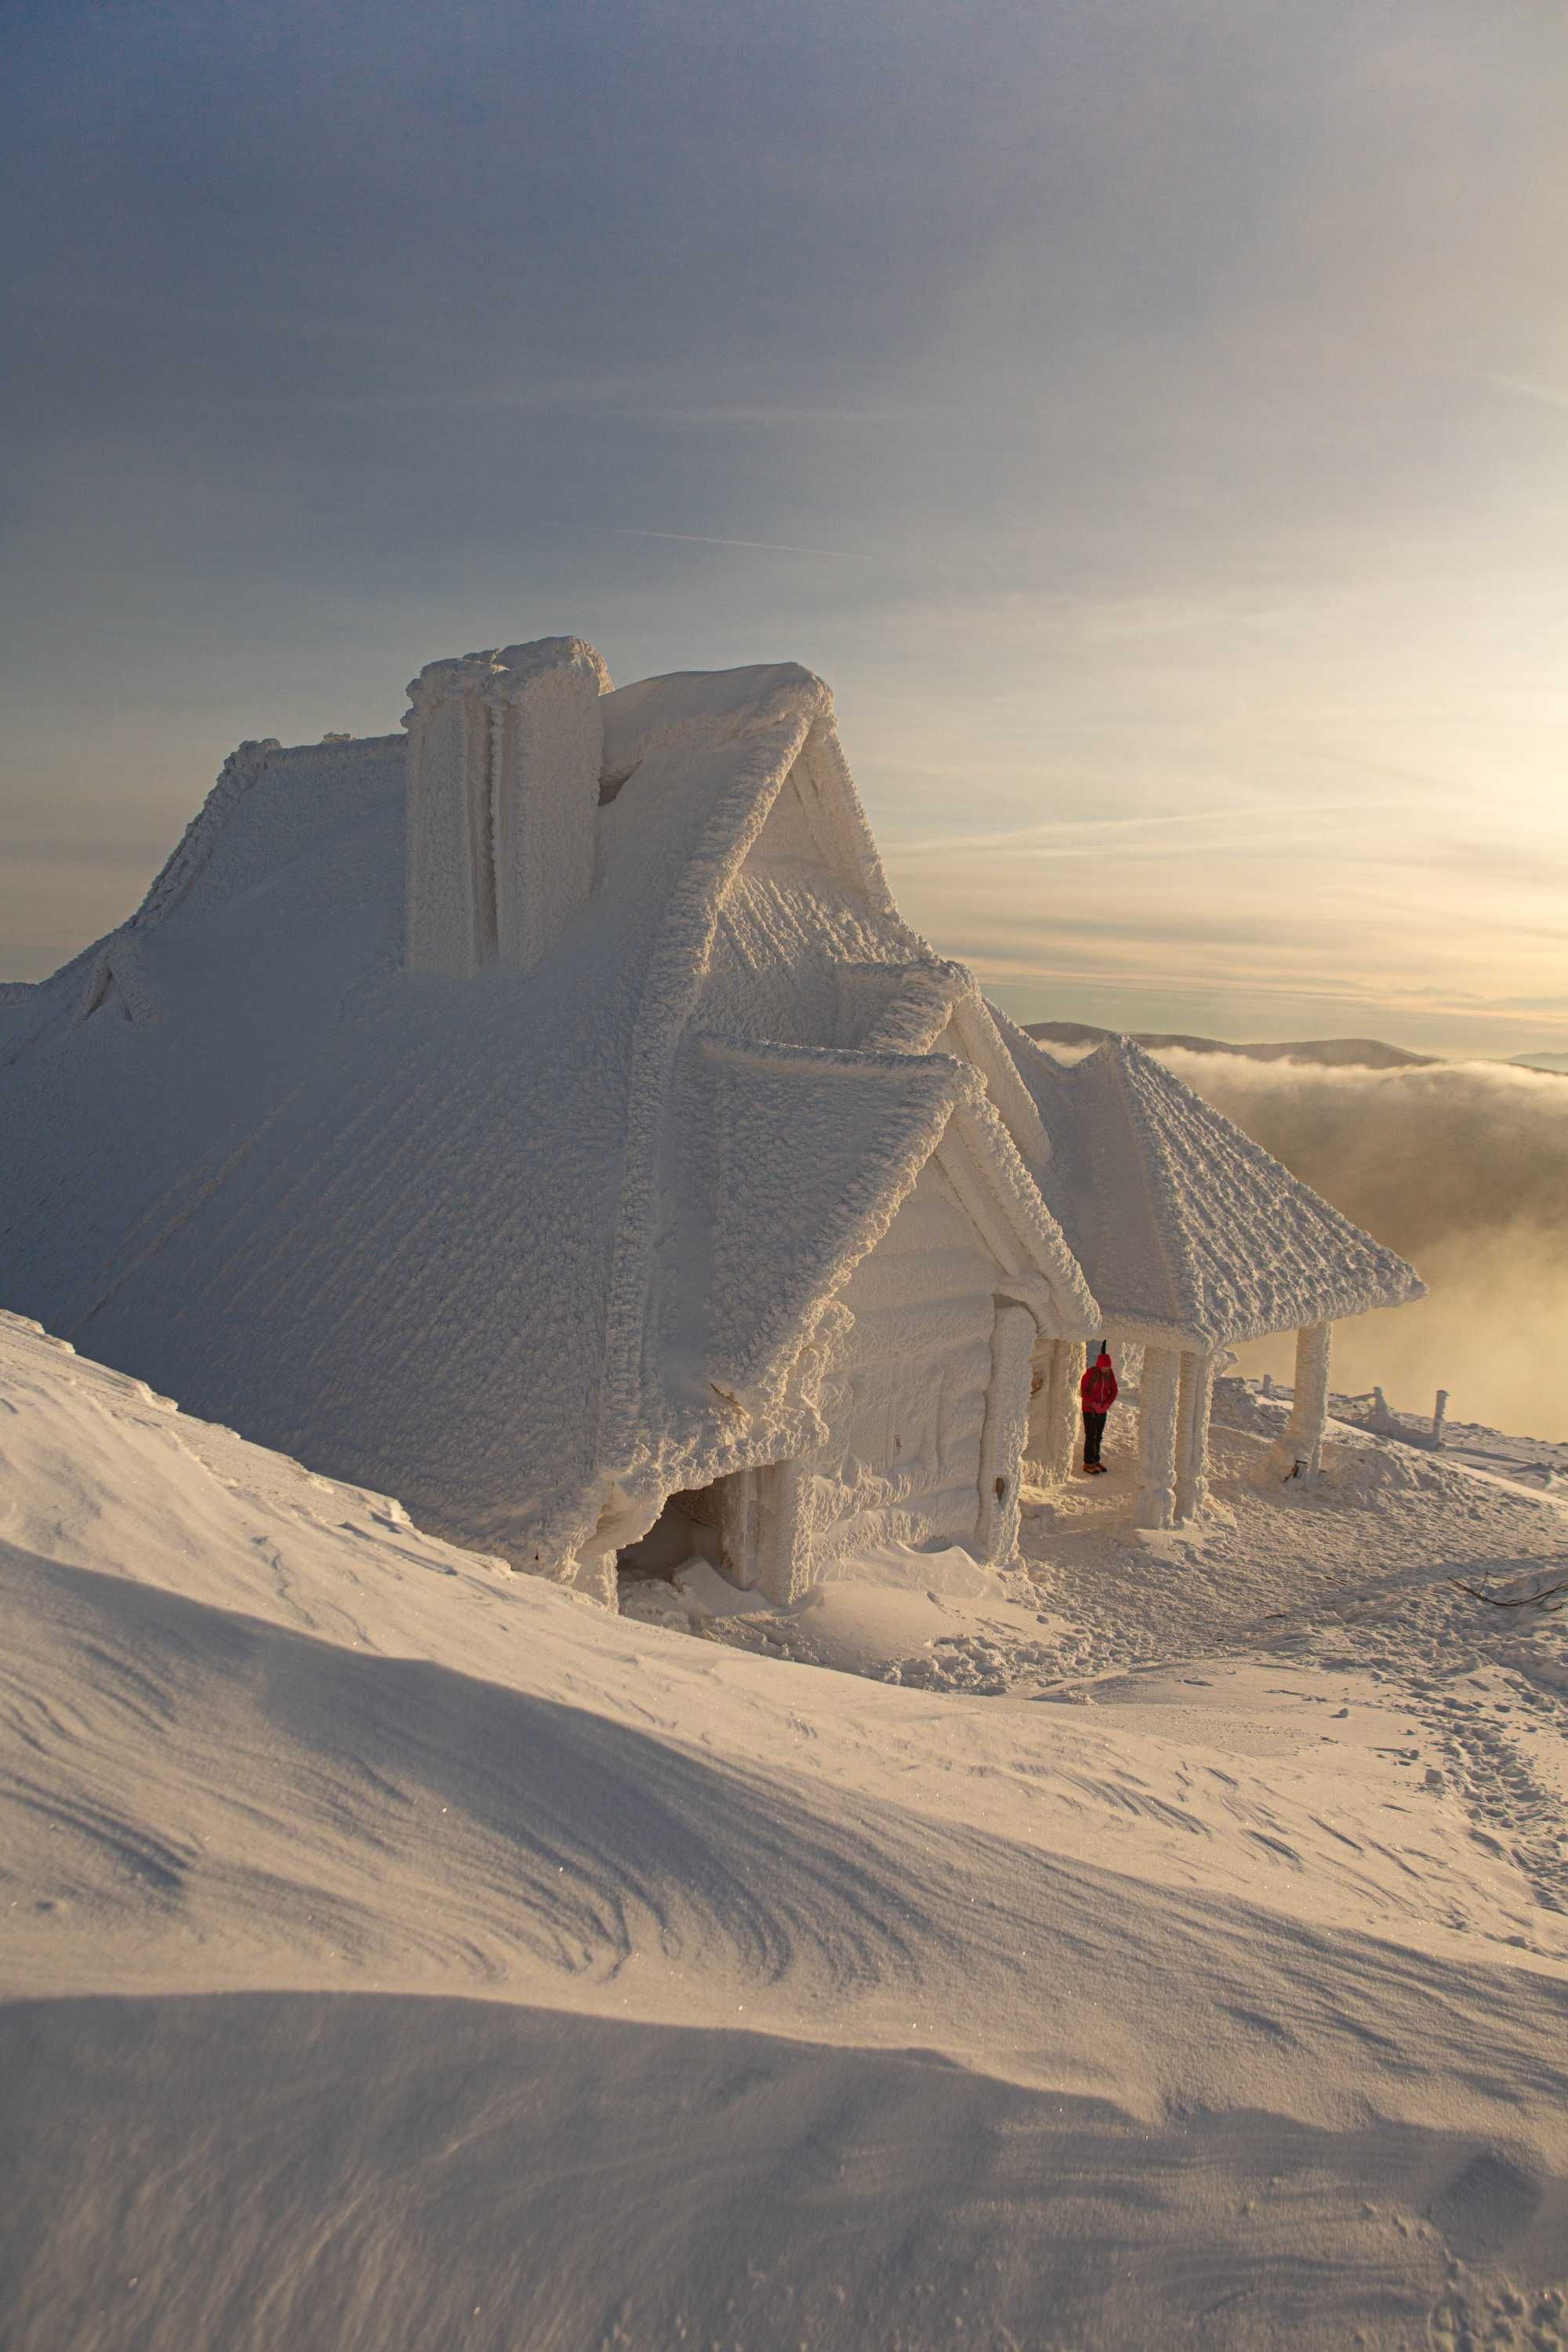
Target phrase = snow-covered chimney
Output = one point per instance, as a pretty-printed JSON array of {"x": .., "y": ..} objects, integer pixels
[{"x": 503, "y": 793}]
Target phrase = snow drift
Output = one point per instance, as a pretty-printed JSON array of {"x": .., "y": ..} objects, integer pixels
[{"x": 400, "y": 1952}]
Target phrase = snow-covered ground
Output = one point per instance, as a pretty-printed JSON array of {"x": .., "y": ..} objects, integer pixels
[{"x": 1163, "y": 1943}]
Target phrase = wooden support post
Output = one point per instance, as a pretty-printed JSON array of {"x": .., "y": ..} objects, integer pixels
[
  {"x": 1303, "y": 1439},
  {"x": 1194, "y": 1405},
  {"x": 1157, "y": 1438},
  {"x": 1053, "y": 1412}
]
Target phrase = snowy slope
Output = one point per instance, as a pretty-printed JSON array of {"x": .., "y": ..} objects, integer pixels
[{"x": 401, "y": 1953}]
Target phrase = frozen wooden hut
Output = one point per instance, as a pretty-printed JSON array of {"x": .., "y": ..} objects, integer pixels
[{"x": 550, "y": 1118}]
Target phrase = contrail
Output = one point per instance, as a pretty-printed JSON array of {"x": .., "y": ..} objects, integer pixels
[{"x": 695, "y": 539}]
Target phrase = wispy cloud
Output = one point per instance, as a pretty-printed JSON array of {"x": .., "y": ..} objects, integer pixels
[
  {"x": 1082, "y": 836},
  {"x": 230, "y": 319},
  {"x": 1550, "y": 395},
  {"x": 613, "y": 396},
  {"x": 763, "y": 413}
]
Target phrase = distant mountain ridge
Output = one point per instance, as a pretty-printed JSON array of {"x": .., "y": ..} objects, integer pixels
[{"x": 1358, "y": 1053}]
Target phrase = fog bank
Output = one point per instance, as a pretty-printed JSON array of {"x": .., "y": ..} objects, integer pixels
[{"x": 1462, "y": 1168}]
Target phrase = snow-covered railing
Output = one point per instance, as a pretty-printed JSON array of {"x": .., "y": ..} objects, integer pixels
[
  {"x": 1369, "y": 1409},
  {"x": 1372, "y": 1411}
]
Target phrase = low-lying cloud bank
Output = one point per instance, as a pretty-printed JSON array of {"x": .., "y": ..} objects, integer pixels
[{"x": 1462, "y": 1168}]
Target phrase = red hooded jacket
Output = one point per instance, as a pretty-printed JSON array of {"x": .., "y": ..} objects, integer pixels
[{"x": 1097, "y": 1386}]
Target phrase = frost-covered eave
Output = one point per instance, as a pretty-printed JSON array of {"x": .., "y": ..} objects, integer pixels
[
  {"x": 927, "y": 989},
  {"x": 978, "y": 1031},
  {"x": 1308, "y": 1302},
  {"x": 1331, "y": 1304}
]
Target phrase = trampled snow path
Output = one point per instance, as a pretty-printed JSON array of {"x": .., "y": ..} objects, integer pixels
[{"x": 401, "y": 1953}]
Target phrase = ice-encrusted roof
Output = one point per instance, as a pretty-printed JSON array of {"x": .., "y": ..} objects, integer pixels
[
  {"x": 538, "y": 1242},
  {"x": 504, "y": 1242},
  {"x": 1180, "y": 1220}
]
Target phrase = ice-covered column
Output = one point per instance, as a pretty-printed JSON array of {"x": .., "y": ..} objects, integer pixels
[
  {"x": 1157, "y": 1439},
  {"x": 503, "y": 793},
  {"x": 1304, "y": 1438},
  {"x": 1194, "y": 1405},
  {"x": 1053, "y": 1412}
]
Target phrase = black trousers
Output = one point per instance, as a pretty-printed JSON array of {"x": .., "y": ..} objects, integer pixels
[{"x": 1093, "y": 1431}]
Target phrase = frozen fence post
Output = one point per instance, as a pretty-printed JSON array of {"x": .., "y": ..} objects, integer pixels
[{"x": 1439, "y": 1416}]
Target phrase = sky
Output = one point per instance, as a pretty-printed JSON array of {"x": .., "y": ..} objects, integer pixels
[{"x": 1152, "y": 419}]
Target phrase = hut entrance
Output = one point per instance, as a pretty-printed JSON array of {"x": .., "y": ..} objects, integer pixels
[{"x": 737, "y": 1524}]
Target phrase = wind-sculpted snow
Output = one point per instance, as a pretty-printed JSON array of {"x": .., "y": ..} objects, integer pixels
[
  {"x": 528, "y": 1839},
  {"x": 383, "y": 2175},
  {"x": 764, "y": 2004},
  {"x": 298, "y": 1811}
]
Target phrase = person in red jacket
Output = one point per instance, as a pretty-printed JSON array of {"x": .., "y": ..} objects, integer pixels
[{"x": 1098, "y": 1392}]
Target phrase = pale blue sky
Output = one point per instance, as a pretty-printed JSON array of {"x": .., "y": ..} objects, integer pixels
[{"x": 1152, "y": 419}]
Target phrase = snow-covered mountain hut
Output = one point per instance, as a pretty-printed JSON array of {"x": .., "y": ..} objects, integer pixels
[{"x": 551, "y": 1119}]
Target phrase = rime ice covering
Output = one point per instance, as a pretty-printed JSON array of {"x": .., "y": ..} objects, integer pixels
[
  {"x": 504, "y": 760},
  {"x": 1183, "y": 1223},
  {"x": 556, "y": 1115}
]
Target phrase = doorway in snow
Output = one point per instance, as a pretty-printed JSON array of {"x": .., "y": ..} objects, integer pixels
[{"x": 726, "y": 1523}]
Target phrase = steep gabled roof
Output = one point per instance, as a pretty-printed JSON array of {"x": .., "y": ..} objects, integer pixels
[
  {"x": 813, "y": 1149},
  {"x": 816, "y": 1150},
  {"x": 1181, "y": 1223}
]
